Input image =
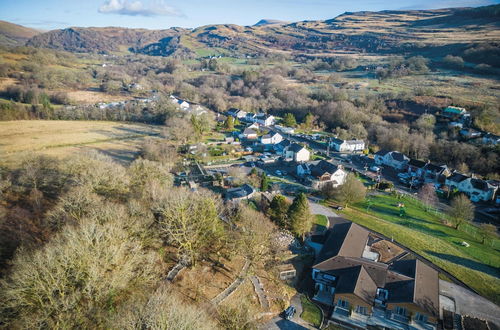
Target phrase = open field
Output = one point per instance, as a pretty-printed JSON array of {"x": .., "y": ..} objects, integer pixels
[
  {"x": 92, "y": 97},
  {"x": 61, "y": 138},
  {"x": 421, "y": 231}
]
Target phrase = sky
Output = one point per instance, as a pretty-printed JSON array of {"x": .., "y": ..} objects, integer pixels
[{"x": 163, "y": 14}]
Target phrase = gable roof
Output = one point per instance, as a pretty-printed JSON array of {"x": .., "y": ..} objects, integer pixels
[
  {"x": 479, "y": 184},
  {"x": 295, "y": 147},
  {"x": 323, "y": 167},
  {"x": 434, "y": 168},
  {"x": 381, "y": 153},
  {"x": 457, "y": 177},
  {"x": 249, "y": 131},
  {"x": 396, "y": 155},
  {"x": 345, "y": 239},
  {"x": 416, "y": 163},
  {"x": 239, "y": 192}
]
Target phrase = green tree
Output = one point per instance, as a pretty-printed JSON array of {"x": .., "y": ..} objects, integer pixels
[
  {"x": 487, "y": 230},
  {"x": 309, "y": 121},
  {"x": 300, "y": 216},
  {"x": 229, "y": 124},
  {"x": 289, "y": 120},
  {"x": 351, "y": 191},
  {"x": 461, "y": 210},
  {"x": 278, "y": 211},
  {"x": 264, "y": 182}
]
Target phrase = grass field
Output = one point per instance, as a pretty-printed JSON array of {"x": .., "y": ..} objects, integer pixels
[
  {"x": 477, "y": 265},
  {"x": 61, "y": 138}
]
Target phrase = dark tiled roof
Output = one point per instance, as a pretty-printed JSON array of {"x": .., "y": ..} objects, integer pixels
[
  {"x": 479, "y": 184},
  {"x": 344, "y": 239},
  {"x": 239, "y": 192},
  {"x": 295, "y": 147},
  {"x": 416, "y": 163},
  {"x": 382, "y": 153},
  {"x": 433, "y": 167},
  {"x": 457, "y": 177},
  {"x": 397, "y": 156},
  {"x": 337, "y": 141},
  {"x": 323, "y": 167}
]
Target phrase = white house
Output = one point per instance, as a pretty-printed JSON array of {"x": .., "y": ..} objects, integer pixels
[
  {"x": 249, "y": 134},
  {"x": 255, "y": 126},
  {"x": 285, "y": 130},
  {"x": 393, "y": 159},
  {"x": 347, "y": 145},
  {"x": 296, "y": 152},
  {"x": 322, "y": 173},
  {"x": 265, "y": 119},
  {"x": 236, "y": 113},
  {"x": 455, "y": 180},
  {"x": 477, "y": 190},
  {"x": 272, "y": 138}
]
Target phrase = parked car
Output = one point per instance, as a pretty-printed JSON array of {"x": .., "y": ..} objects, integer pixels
[
  {"x": 375, "y": 169},
  {"x": 338, "y": 207},
  {"x": 289, "y": 312},
  {"x": 278, "y": 173}
]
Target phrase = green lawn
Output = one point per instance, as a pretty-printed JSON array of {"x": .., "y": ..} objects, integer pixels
[
  {"x": 310, "y": 312},
  {"x": 421, "y": 231},
  {"x": 321, "y": 220}
]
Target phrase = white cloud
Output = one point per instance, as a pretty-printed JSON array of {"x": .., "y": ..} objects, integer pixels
[{"x": 137, "y": 8}]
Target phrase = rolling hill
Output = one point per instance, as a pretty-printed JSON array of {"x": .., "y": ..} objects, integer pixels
[
  {"x": 15, "y": 35},
  {"x": 426, "y": 32}
]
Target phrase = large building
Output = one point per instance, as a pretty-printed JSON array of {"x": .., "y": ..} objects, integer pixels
[{"x": 360, "y": 292}]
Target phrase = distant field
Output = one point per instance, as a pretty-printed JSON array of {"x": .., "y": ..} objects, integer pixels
[
  {"x": 92, "y": 97},
  {"x": 61, "y": 138}
]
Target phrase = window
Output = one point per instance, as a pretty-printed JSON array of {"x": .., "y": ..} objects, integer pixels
[
  {"x": 361, "y": 310},
  {"x": 400, "y": 310},
  {"x": 420, "y": 317},
  {"x": 343, "y": 303}
]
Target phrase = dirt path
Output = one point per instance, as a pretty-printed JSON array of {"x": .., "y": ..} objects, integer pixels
[
  {"x": 259, "y": 289},
  {"x": 231, "y": 288}
]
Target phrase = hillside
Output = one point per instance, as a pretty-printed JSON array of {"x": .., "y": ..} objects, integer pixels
[
  {"x": 15, "y": 35},
  {"x": 427, "y": 32}
]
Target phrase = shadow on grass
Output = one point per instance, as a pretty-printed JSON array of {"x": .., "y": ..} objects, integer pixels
[
  {"x": 393, "y": 212},
  {"x": 490, "y": 270},
  {"x": 413, "y": 224}
]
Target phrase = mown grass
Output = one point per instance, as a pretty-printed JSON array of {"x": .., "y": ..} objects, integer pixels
[
  {"x": 422, "y": 232},
  {"x": 310, "y": 312},
  {"x": 321, "y": 220}
]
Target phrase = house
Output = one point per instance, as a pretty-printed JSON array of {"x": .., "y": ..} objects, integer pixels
[
  {"x": 393, "y": 159},
  {"x": 236, "y": 113},
  {"x": 478, "y": 190},
  {"x": 322, "y": 173},
  {"x": 250, "y": 117},
  {"x": 271, "y": 138},
  {"x": 249, "y": 134},
  {"x": 491, "y": 139},
  {"x": 416, "y": 168},
  {"x": 469, "y": 133},
  {"x": 282, "y": 146},
  {"x": 285, "y": 130},
  {"x": 296, "y": 152},
  {"x": 246, "y": 191},
  {"x": 182, "y": 104},
  {"x": 264, "y": 119},
  {"x": 347, "y": 145},
  {"x": 457, "y": 114},
  {"x": 255, "y": 126},
  {"x": 359, "y": 292},
  {"x": 455, "y": 180},
  {"x": 436, "y": 173}
]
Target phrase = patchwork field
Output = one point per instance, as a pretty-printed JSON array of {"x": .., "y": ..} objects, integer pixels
[{"x": 60, "y": 138}]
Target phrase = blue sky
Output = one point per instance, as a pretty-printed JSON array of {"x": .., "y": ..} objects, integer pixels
[{"x": 162, "y": 14}]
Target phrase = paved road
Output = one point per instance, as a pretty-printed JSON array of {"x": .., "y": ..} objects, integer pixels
[
  {"x": 296, "y": 323},
  {"x": 320, "y": 209},
  {"x": 469, "y": 303}
]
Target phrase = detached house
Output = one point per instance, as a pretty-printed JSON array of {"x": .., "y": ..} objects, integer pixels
[
  {"x": 249, "y": 134},
  {"x": 297, "y": 153},
  {"x": 347, "y": 145},
  {"x": 322, "y": 173},
  {"x": 478, "y": 190},
  {"x": 265, "y": 119},
  {"x": 271, "y": 138},
  {"x": 236, "y": 113},
  {"x": 393, "y": 159},
  {"x": 455, "y": 180},
  {"x": 362, "y": 293}
]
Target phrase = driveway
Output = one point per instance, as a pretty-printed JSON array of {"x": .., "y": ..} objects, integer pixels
[
  {"x": 296, "y": 323},
  {"x": 320, "y": 209},
  {"x": 469, "y": 303}
]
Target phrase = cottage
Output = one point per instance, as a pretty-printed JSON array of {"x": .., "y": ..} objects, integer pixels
[
  {"x": 236, "y": 113},
  {"x": 271, "y": 138},
  {"x": 296, "y": 152},
  {"x": 324, "y": 174},
  {"x": 347, "y": 145},
  {"x": 477, "y": 190},
  {"x": 265, "y": 119},
  {"x": 361, "y": 291},
  {"x": 249, "y": 134},
  {"x": 246, "y": 191},
  {"x": 393, "y": 159}
]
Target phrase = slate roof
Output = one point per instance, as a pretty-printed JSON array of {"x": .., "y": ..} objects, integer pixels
[
  {"x": 397, "y": 156},
  {"x": 434, "y": 168},
  {"x": 323, "y": 167},
  {"x": 479, "y": 184},
  {"x": 239, "y": 192},
  {"x": 416, "y": 163},
  {"x": 457, "y": 177},
  {"x": 249, "y": 131},
  {"x": 295, "y": 147},
  {"x": 345, "y": 239}
]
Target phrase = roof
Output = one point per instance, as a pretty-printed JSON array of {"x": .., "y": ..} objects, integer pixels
[
  {"x": 239, "y": 192},
  {"x": 345, "y": 239},
  {"x": 337, "y": 141},
  {"x": 434, "y": 168},
  {"x": 479, "y": 184},
  {"x": 455, "y": 110},
  {"x": 354, "y": 141},
  {"x": 249, "y": 131},
  {"x": 323, "y": 167},
  {"x": 457, "y": 177},
  {"x": 396, "y": 155},
  {"x": 295, "y": 147},
  {"x": 416, "y": 163}
]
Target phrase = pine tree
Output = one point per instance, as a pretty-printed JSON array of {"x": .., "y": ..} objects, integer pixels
[
  {"x": 264, "y": 182},
  {"x": 289, "y": 120},
  {"x": 300, "y": 216}
]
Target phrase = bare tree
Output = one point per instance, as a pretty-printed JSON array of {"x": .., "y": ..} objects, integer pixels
[
  {"x": 351, "y": 191},
  {"x": 461, "y": 210},
  {"x": 427, "y": 195}
]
